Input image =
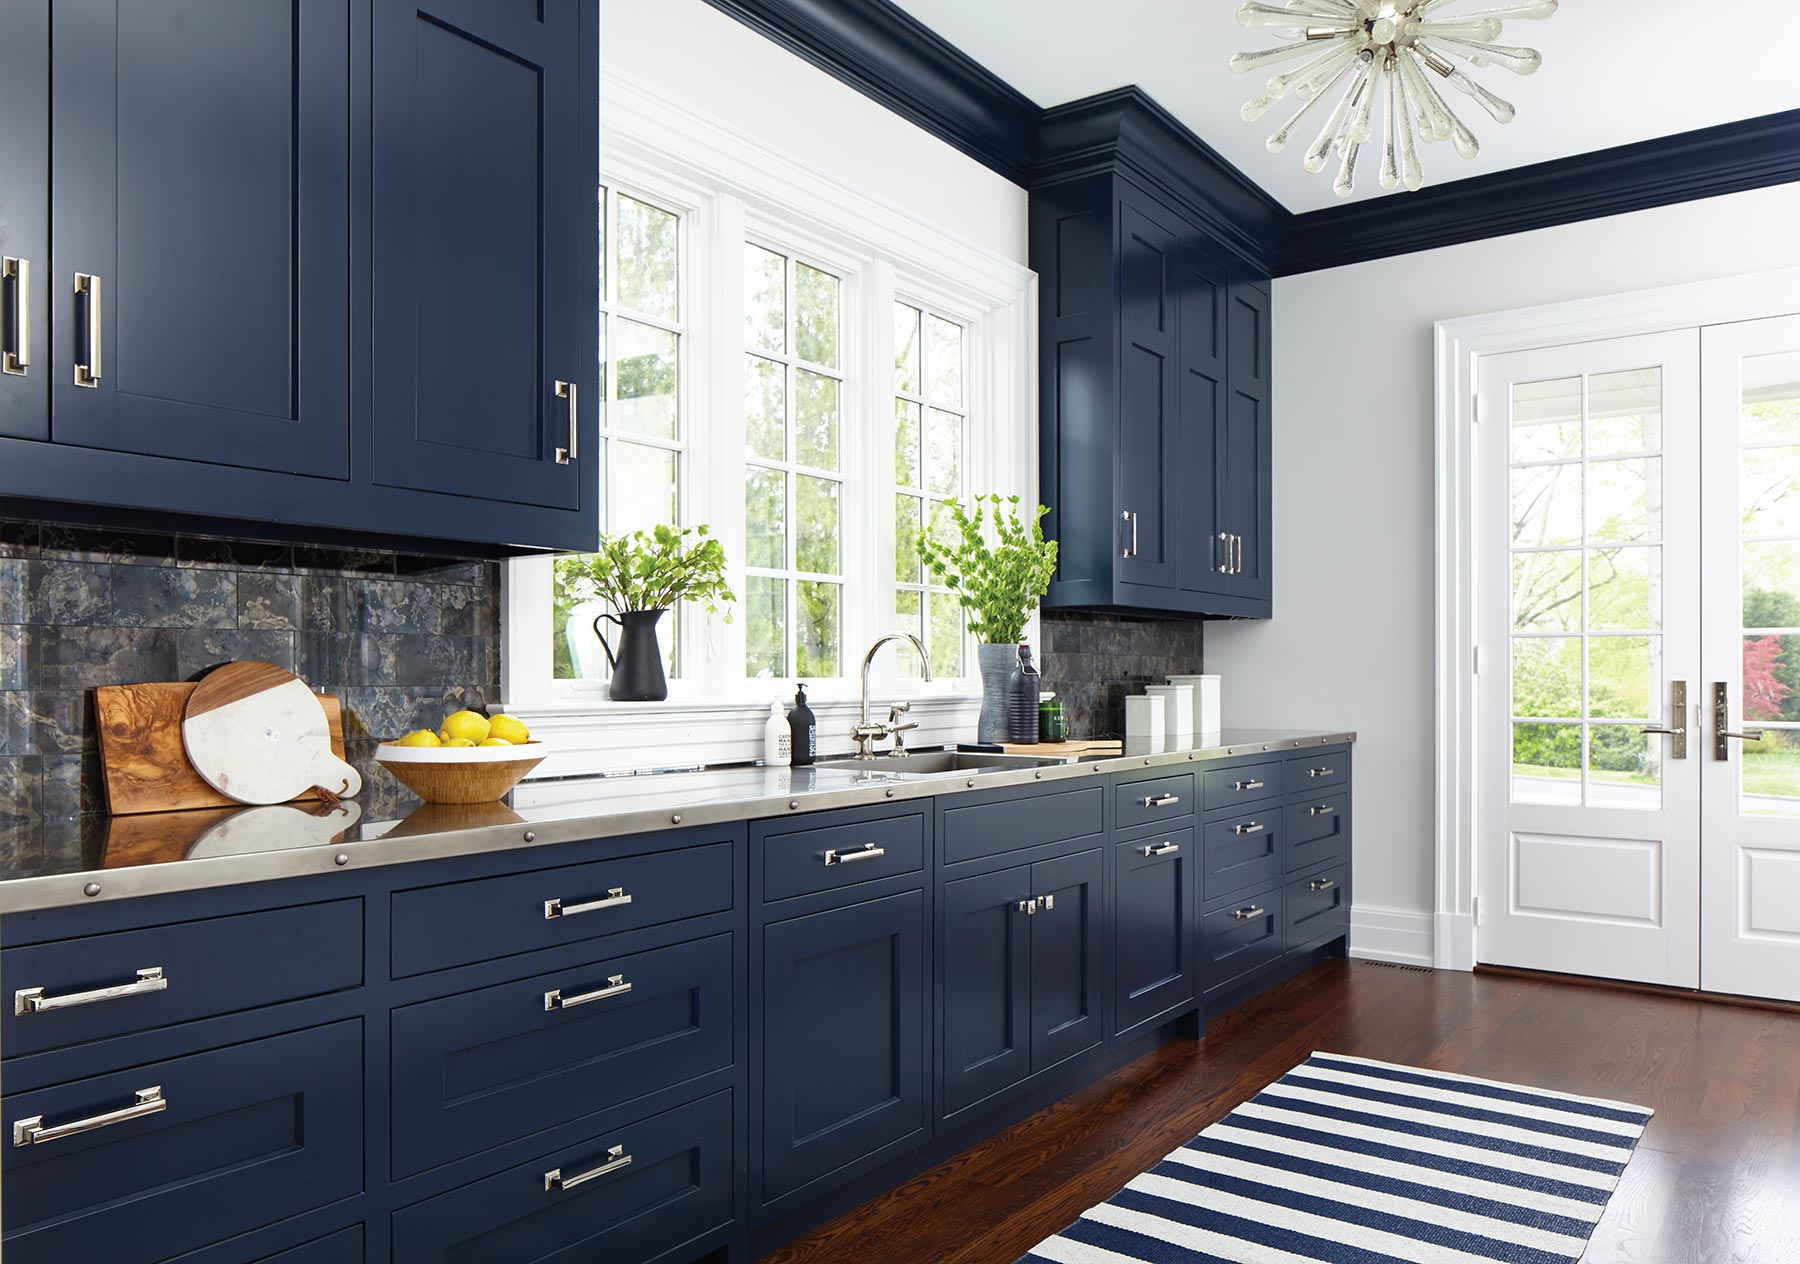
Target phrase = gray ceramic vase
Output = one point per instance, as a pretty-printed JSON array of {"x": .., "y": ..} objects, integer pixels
[{"x": 996, "y": 663}]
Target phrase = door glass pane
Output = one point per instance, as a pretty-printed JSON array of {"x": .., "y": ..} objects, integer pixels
[
  {"x": 1624, "y": 412},
  {"x": 1624, "y": 590},
  {"x": 648, "y": 247},
  {"x": 1771, "y": 399},
  {"x": 1621, "y": 670},
  {"x": 644, "y": 367},
  {"x": 1771, "y": 680},
  {"x": 765, "y": 299},
  {"x": 1624, "y": 501},
  {"x": 1769, "y": 505},
  {"x": 1546, "y": 677},
  {"x": 1624, "y": 767},
  {"x": 1546, "y": 763},
  {"x": 1547, "y": 591},
  {"x": 1769, "y": 491},
  {"x": 1546, "y": 420},
  {"x": 1771, "y": 574},
  {"x": 1771, "y": 774},
  {"x": 1546, "y": 506}
]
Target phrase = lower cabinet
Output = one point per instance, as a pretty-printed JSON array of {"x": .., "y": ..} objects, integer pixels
[
  {"x": 843, "y": 996},
  {"x": 628, "y": 1195},
  {"x": 1242, "y": 936},
  {"x": 345, "y": 1247},
  {"x": 1154, "y": 932}
]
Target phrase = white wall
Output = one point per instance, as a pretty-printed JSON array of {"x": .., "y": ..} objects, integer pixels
[
  {"x": 1352, "y": 641},
  {"x": 688, "y": 49}
]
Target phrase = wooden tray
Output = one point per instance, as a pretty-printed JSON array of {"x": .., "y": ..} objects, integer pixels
[
  {"x": 143, "y": 763},
  {"x": 1070, "y": 749}
]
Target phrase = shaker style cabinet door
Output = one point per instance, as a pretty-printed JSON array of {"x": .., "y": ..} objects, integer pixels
[
  {"x": 25, "y": 219},
  {"x": 1204, "y": 548},
  {"x": 200, "y": 290},
  {"x": 1066, "y": 980},
  {"x": 1248, "y": 466},
  {"x": 1147, "y": 473},
  {"x": 486, "y": 250},
  {"x": 987, "y": 985}
]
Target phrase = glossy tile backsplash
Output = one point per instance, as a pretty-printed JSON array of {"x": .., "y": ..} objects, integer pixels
[
  {"x": 400, "y": 638},
  {"x": 1094, "y": 661}
]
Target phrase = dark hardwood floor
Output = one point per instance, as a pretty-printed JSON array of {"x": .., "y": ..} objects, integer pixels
[{"x": 1716, "y": 1178}]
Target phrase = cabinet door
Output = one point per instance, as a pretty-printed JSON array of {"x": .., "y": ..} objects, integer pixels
[
  {"x": 1065, "y": 958},
  {"x": 843, "y": 1038},
  {"x": 1200, "y": 438},
  {"x": 201, "y": 165},
  {"x": 25, "y": 219},
  {"x": 1153, "y": 926},
  {"x": 1148, "y": 463},
  {"x": 485, "y": 249},
  {"x": 987, "y": 985},
  {"x": 1247, "y": 468}
]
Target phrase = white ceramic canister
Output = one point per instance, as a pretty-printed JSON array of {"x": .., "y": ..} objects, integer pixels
[
  {"x": 1206, "y": 701},
  {"x": 1178, "y": 709},
  {"x": 1144, "y": 717}
]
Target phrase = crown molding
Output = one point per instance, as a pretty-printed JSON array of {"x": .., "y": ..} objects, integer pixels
[
  {"x": 1731, "y": 158},
  {"x": 894, "y": 59}
]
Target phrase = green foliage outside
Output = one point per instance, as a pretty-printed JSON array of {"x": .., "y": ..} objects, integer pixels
[{"x": 999, "y": 583}]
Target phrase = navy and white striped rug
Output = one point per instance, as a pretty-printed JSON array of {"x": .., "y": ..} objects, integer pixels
[{"x": 1357, "y": 1162}]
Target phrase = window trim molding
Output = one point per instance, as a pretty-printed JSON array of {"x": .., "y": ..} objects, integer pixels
[{"x": 739, "y": 186}]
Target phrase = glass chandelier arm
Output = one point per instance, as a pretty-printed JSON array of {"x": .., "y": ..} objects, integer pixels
[
  {"x": 1345, "y": 184},
  {"x": 1412, "y": 171},
  {"x": 1390, "y": 130},
  {"x": 1340, "y": 117},
  {"x": 1279, "y": 140},
  {"x": 1253, "y": 13},
  {"x": 1434, "y": 121},
  {"x": 1520, "y": 10},
  {"x": 1521, "y": 61},
  {"x": 1362, "y": 117},
  {"x": 1466, "y": 143},
  {"x": 1480, "y": 29},
  {"x": 1307, "y": 78},
  {"x": 1242, "y": 63},
  {"x": 1499, "y": 108}
]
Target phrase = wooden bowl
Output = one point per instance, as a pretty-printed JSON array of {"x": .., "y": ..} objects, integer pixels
[{"x": 459, "y": 774}]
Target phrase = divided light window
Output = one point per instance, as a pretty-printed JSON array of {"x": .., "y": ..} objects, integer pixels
[
  {"x": 794, "y": 502},
  {"x": 931, "y": 427}
]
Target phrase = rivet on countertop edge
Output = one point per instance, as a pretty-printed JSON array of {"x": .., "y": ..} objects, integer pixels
[
  {"x": 792, "y": 804},
  {"x": 1039, "y": 775},
  {"x": 530, "y": 836},
  {"x": 675, "y": 819},
  {"x": 91, "y": 889},
  {"x": 890, "y": 793},
  {"x": 971, "y": 783},
  {"x": 340, "y": 859}
]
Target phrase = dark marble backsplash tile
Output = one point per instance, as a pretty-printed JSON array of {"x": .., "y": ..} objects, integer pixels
[
  {"x": 1093, "y": 662},
  {"x": 401, "y": 639}
]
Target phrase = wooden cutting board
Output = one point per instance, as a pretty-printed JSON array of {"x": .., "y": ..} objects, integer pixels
[
  {"x": 256, "y": 733},
  {"x": 143, "y": 764},
  {"x": 1066, "y": 750}
]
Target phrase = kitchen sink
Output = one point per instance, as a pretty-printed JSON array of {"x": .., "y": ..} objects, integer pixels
[{"x": 940, "y": 763}]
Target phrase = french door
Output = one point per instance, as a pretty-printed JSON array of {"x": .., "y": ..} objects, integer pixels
[{"x": 1638, "y": 541}]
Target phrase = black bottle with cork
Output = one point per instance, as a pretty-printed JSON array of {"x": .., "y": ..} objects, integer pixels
[
  {"x": 804, "y": 728},
  {"x": 1022, "y": 699}
]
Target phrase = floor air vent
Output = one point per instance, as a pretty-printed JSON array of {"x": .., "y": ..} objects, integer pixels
[{"x": 1395, "y": 965}]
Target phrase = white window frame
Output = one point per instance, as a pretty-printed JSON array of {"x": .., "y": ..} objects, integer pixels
[{"x": 730, "y": 188}]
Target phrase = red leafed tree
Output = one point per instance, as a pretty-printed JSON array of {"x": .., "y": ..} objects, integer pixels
[{"x": 1763, "y": 691}]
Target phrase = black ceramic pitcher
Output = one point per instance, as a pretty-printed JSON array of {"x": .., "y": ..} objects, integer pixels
[{"x": 637, "y": 669}]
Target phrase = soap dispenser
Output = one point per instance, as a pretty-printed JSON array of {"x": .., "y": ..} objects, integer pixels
[
  {"x": 777, "y": 741},
  {"x": 803, "y": 730}
]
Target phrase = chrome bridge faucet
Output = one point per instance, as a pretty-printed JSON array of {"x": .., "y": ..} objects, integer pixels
[{"x": 867, "y": 731}]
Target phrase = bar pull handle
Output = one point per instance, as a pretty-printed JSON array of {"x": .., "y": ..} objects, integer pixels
[
  {"x": 150, "y": 1101},
  {"x": 1129, "y": 517},
  {"x": 33, "y": 1001},
  {"x": 17, "y": 358},
  {"x": 615, "y": 986},
  {"x": 1237, "y": 554},
  {"x": 1323, "y": 809},
  {"x": 1028, "y": 907},
  {"x": 1225, "y": 548},
  {"x": 1249, "y": 914},
  {"x": 570, "y": 392},
  {"x": 1246, "y": 785},
  {"x": 868, "y": 851},
  {"x": 87, "y": 292},
  {"x": 1160, "y": 800},
  {"x": 616, "y": 1158},
  {"x": 1254, "y": 827},
  {"x": 1162, "y": 849},
  {"x": 1321, "y": 884},
  {"x": 554, "y": 909},
  {"x": 1320, "y": 772}
]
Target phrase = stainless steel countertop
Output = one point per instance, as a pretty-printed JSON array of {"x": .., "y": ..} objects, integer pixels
[{"x": 58, "y": 864}]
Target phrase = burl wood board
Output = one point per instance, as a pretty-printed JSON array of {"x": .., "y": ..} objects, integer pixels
[{"x": 143, "y": 763}]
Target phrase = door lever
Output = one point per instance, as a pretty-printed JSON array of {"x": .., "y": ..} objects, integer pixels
[
  {"x": 1722, "y": 735},
  {"x": 1677, "y": 703}
]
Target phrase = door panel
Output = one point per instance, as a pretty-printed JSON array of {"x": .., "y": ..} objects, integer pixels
[
  {"x": 481, "y": 226},
  {"x": 1201, "y": 422},
  {"x": 1154, "y": 934},
  {"x": 1589, "y": 563},
  {"x": 25, "y": 219},
  {"x": 1147, "y": 384},
  {"x": 987, "y": 985},
  {"x": 1065, "y": 958},
  {"x": 201, "y": 165},
  {"x": 1246, "y": 470},
  {"x": 1750, "y": 602}
]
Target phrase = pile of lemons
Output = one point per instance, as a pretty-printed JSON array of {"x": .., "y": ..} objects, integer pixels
[{"x": 471, "y": 728}]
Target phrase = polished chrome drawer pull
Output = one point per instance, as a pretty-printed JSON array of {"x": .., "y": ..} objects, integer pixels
[
  {"x": 868, "y": 851},
  {"x": 615, "y": 986},
  {"x": 33, "y": 1001},
  {"x": 31, "y": 1131},
  {"x": 1160, "y": 800},
  {"x": 613, "y": 899},
  {"x": 1324, "y": 809},
  {"x": 1162, "y": 849},
  {"x": 1246, "y": 785},
  {"x": 616, "y": 1158},
  {"x": 1320, "y": 772},
  {"x": 1249, "y": 914},
  {"x": 87, "y": 372},
  {"x": 1323, "y": 884},
  {"x": 1255, "y": 827},
  {"x": 17, "y": 358},
  {"x": 1028, "y": 907},
  {"x": 570, "y": 392}
]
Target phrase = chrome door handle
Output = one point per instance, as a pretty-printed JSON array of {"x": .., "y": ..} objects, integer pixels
[
  {"x": 1679, "y": 704},
  {"x": 1237, "y": 554},
  {"x": 1320, "y": 772},
  {"x": 868, "y": 851},
  {"x": 1722, "y": 734},
  {"x": 615, "y": 986},
  {"x": 1324, "y": 809},
  {"x": 1246, "y": 785},
  {"x": 87, "y": 289},
  {"x": 1130, "y": 516},
  {"x": 33, "y": 1001},
  {"x": 1028, "y": 907},
  {"x": 1322, "y": 885},
  {"x": 1047, "y": 903},
  {"x": 1162, "y": 849},
  {"x": 1254, "y": 827},
  {"x": 612, "y": 899},
  {"x": 1248, "y": 914},
  {"x": 616, "y": 1158},
  {"x": 570, "y": 392},
  {"x": 150, "y": 1101},
  {"x": 1225, "y": 540},
  {"x": 17, "y": 358},
  {"x": 1160, "y": 800}
]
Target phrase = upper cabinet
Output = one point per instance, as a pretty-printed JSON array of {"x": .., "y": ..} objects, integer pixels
[
  {"x": 1155, "y": 362},
  {"x": 314, "y": 264}
]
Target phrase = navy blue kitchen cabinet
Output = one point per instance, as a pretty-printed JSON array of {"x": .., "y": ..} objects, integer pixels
[
  {"x": 1154, "y": 931},
  {"x": 319, "y": 265},
  {"x": 987, "y": 987},
  {"x": 1154, "y": 372}
]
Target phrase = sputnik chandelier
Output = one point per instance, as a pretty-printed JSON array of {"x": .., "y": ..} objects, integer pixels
[{"x": 1364, "y": 52}]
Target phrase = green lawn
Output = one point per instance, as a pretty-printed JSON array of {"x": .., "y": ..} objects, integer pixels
[{"x": 1767, "y": 772}]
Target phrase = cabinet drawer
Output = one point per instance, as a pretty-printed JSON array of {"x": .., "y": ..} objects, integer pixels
[
  {"x": 482, "y": 1068},
  {"x": 1317, "y": 830},
  {"x": 1242, "y": 936},
  {"x": 800, "y": 862},
  {"x": 464, "y": 922},
  {"x": 975, "y": 830},
  {"x": 1308, "y": 774},
  {"x": 1317, "y": 908},
  {"x": 1242, "y": 852},
  {"x": 1151, "y": 801},
  {"x": 246, "y": 1136},
  {"x": 1248, "y": 783},
  {"x": 630, "y": 1194},
  {"x": 76, "y": 990},
  {"x": 343, "y": 1247}
]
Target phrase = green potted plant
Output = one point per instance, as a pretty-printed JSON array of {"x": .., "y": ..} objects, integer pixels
[
  {"x": 998, "y": 566},
  {"x": 639, "y": 576}
]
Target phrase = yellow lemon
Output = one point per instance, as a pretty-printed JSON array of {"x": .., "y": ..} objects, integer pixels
[
  {"x": 511, "y": 728},
  {"x": 495, "y": 741},
  {"x": 468, "y": 724},
  {"x": 420, "y": 737},
  {"x": 459, "y": 741}
]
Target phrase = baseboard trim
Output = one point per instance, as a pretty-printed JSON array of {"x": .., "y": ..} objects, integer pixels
[{"x": 1404, "y": 938}]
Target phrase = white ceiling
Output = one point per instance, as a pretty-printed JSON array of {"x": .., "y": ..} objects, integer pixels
[{"x": 1615, "y": 71}]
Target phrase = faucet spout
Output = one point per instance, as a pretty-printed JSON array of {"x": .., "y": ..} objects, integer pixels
[{"x": 867, "y": 731}]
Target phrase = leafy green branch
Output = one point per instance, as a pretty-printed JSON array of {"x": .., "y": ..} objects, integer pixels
[
  {"x": 997, "y": 575},
  {"x": 651, "y": 572}
]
